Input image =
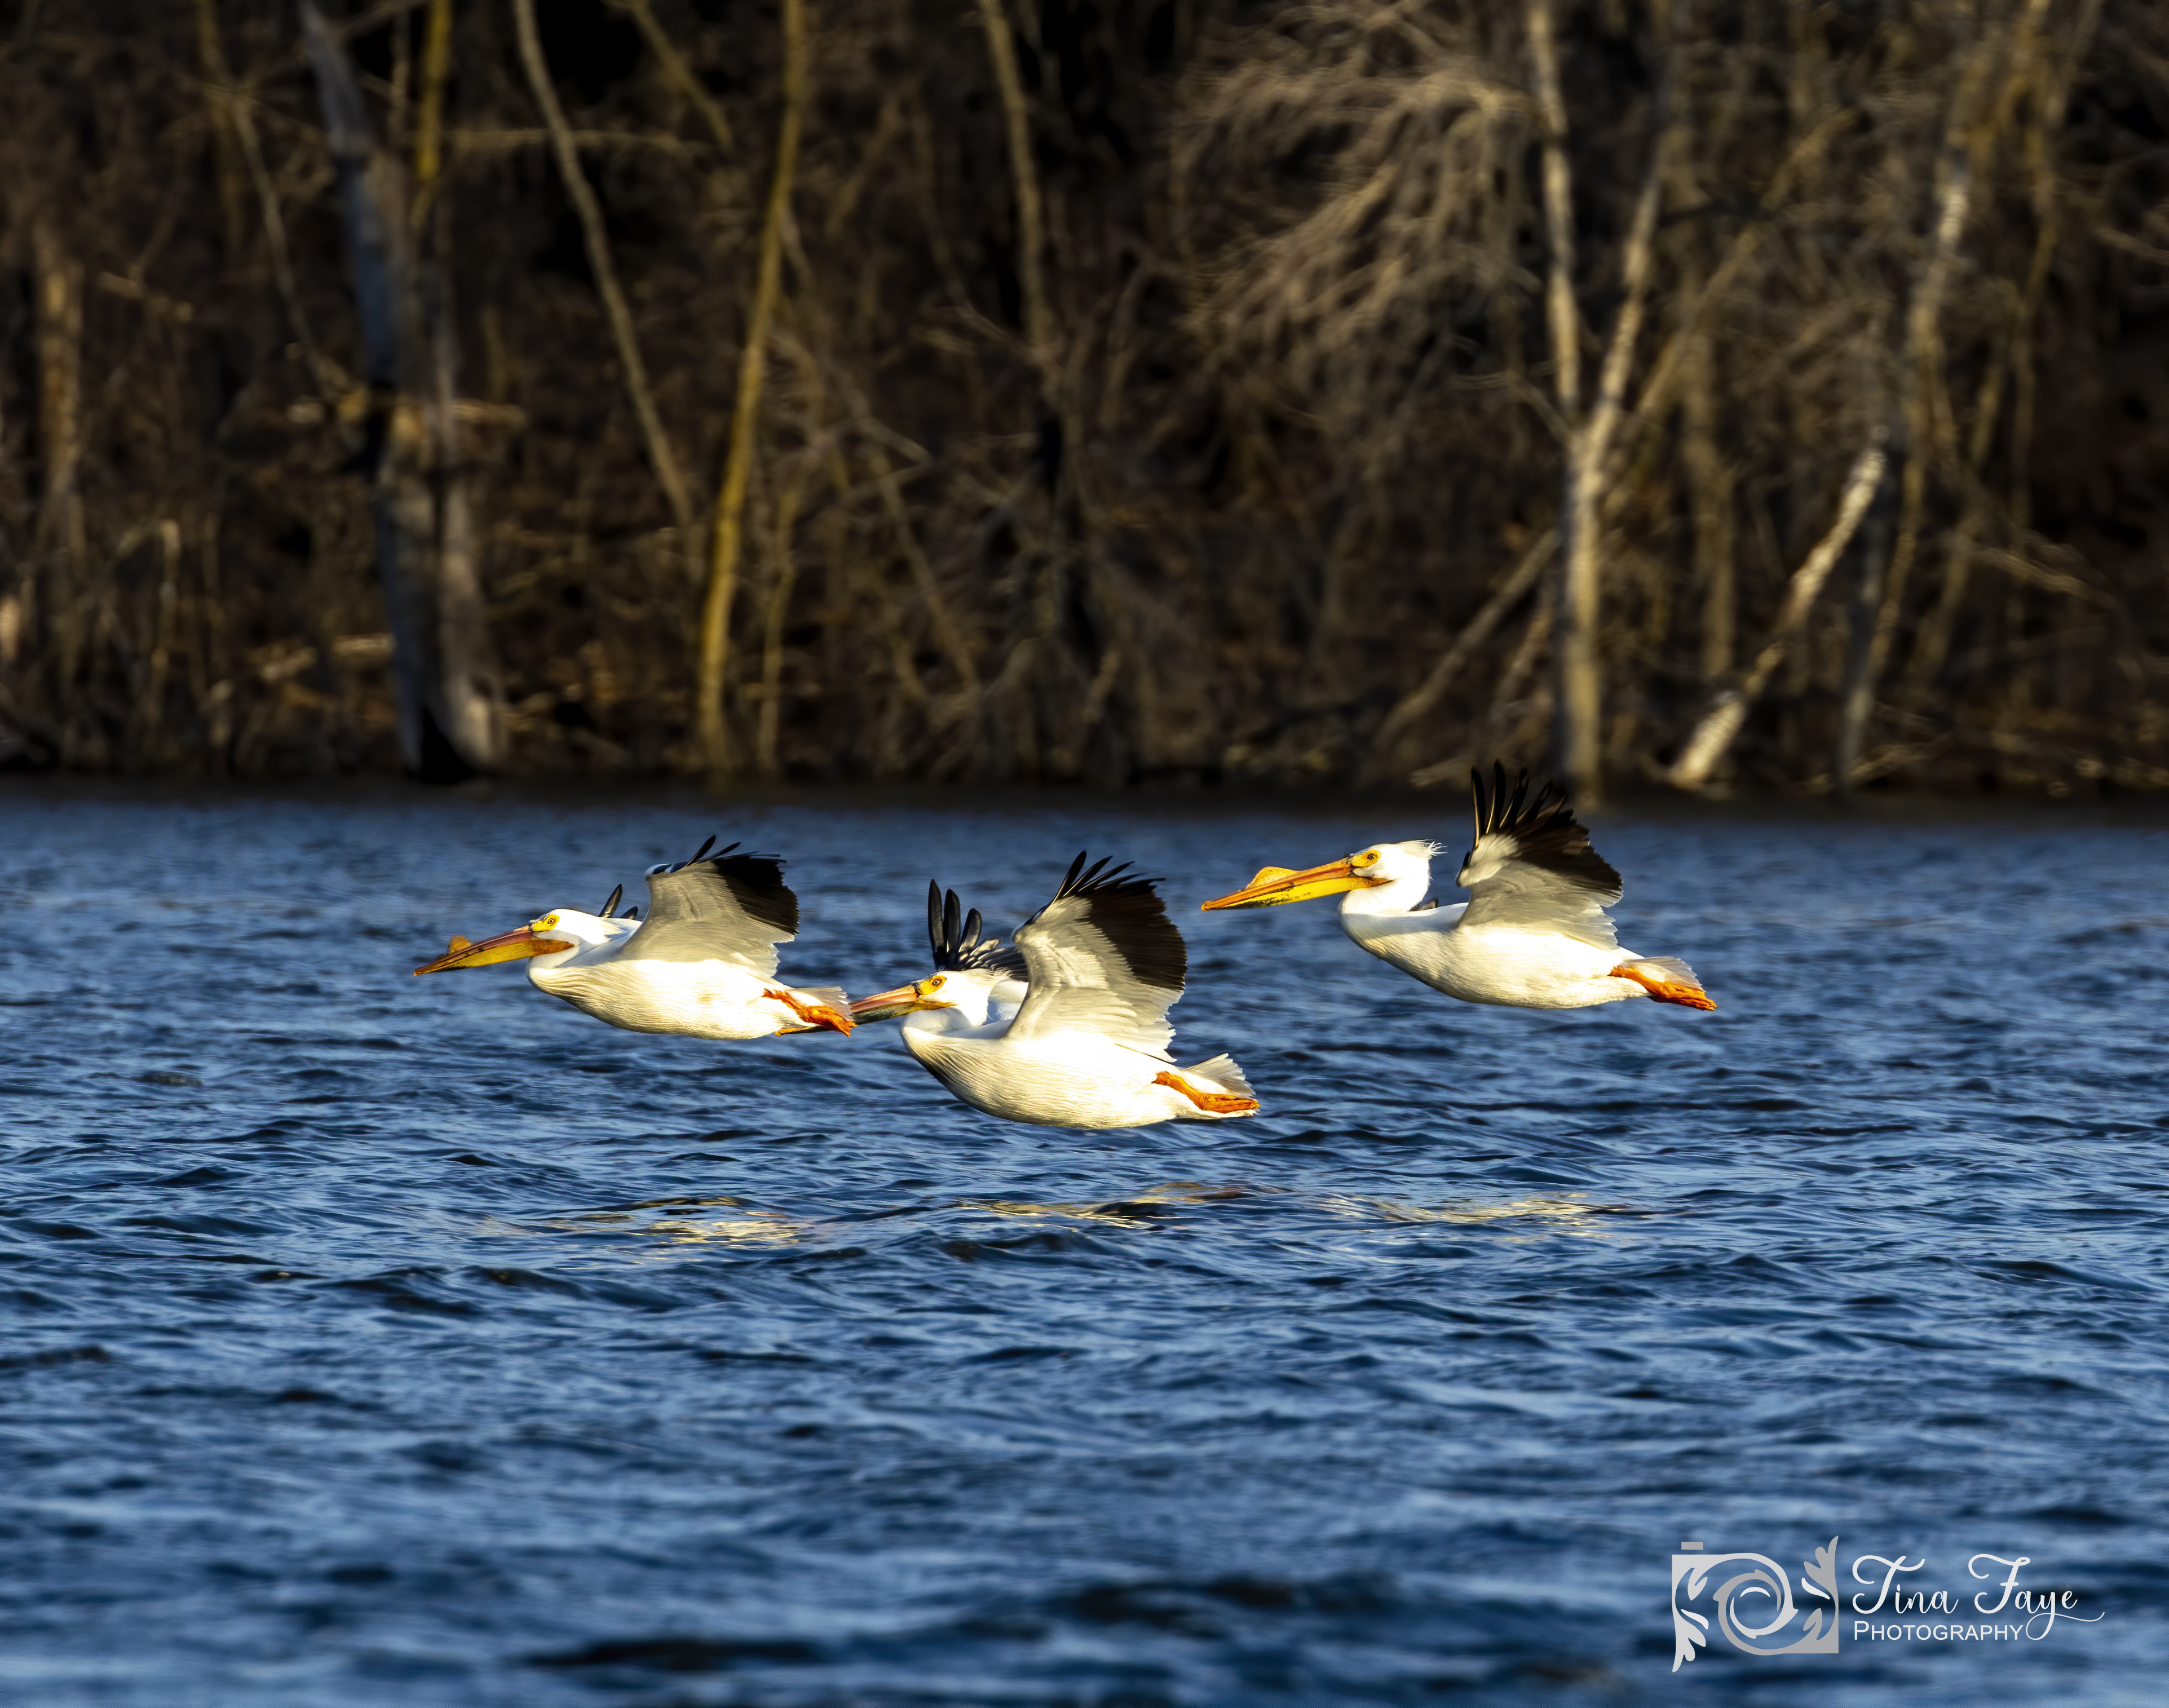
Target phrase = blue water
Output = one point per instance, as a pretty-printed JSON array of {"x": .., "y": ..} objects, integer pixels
[{"x": 371, "y": 1339}]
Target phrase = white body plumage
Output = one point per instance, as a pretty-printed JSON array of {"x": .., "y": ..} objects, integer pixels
[
  {"x": 1066, "y": 1079},
  {"x": 1087, "y": 1044},
  {"x": 702, "y": 965},
  {"x": 606, "y": 977},
  {"x": 1533, "y": 933},
  {"x": 1504, "y": 963}
]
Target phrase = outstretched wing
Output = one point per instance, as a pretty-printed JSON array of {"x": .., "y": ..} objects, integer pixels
[
  {"x": 1532, "y": 867},
  {"x": 1102, "y": 957},
  {"x": 728, "y": 906},
  {"x": 959, "y": 943}
]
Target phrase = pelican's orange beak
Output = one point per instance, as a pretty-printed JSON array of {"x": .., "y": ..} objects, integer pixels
[
  {"x": 887, "y": 1005},
  {"x": 1275, "y": 885},
  {"x": 512, "y": 945}
]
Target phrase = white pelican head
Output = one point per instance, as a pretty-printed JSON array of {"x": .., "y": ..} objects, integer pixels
[
  {"x": 968, "y": 991},
  {"x": 968, "y": 967},
  {"x": 551, "y": 939},
  {"x": 1383, "y": 864}
]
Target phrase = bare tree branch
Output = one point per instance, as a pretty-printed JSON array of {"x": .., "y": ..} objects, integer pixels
[
  {"x": 661, "y": 457},
  {"x": 1418, "y": 702},
  {"x": 714, "y": 654},
  {"x": 1721, "y": 723},
  {"x": 1032, "y": 241},
  {"x": 680, "y": 73}
]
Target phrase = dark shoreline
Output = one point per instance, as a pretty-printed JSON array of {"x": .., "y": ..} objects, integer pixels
[{"x": 1444, "y": 806}]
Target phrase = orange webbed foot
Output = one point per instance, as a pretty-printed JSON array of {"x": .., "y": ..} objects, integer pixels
[
  {"x": 818, "y": 1017},
  {"x": 1211, "y": 1102},
  {"x": 1666, "y": 990}
]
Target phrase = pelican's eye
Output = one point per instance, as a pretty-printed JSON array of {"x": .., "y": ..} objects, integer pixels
[
  {"x": 1369, "y": 857},
  {"x": 548, "y": 922},
  {"x": 937, "y": 980}
]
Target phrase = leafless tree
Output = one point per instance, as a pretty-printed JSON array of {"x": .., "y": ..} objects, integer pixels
[{"x": 1338, "y": 393}]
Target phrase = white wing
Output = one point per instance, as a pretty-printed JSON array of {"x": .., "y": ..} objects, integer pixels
[
  {"x": 1103, "y": 958},
  {"x": 1532, "y": 868},
  {"x": 729, "y": 907}
]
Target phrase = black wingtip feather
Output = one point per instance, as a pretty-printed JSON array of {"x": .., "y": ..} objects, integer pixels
[
  {"x": 958, "y": 945},
  {"x": 1129, "y": 914},
  {"x": 1546, "y": 832},
  {"x": 755, "y": 882},
  {"x": 610, "y": 907}
]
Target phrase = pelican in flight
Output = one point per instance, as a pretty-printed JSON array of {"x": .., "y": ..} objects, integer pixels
[
  {"x": 1101, "y": 964},
  {"x": 1533, "y": 933},
  {"x": 702, "y": 964}
]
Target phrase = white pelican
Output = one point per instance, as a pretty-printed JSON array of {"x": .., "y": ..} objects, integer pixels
[
  {"x": 1087, "y": 1047},
  {"x": 703, "y": 965},
  {"x": 1533, "y": 933}
]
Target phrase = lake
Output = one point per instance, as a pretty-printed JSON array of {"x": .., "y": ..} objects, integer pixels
[{"x": 368, "y": 1340}]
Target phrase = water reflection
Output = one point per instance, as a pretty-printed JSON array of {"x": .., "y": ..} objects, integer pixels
[
  {"x": 1148, "y": 1208},
  {"x": 1570, "y": 1212},
  {"x": 749, "y": 1225},
  {"x": 1135, "y": 1209},
  {"x": 755, "y": 1228}
]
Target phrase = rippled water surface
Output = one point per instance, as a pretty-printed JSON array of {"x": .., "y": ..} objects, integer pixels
[{"x": 371, "y": 1339}]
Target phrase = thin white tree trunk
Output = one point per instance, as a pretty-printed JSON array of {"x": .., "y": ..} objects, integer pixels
[
  {"x": 450, "y": 692},
  {"x": 1578, "y": 686},
  {"x": 1722, "y": 721}
]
